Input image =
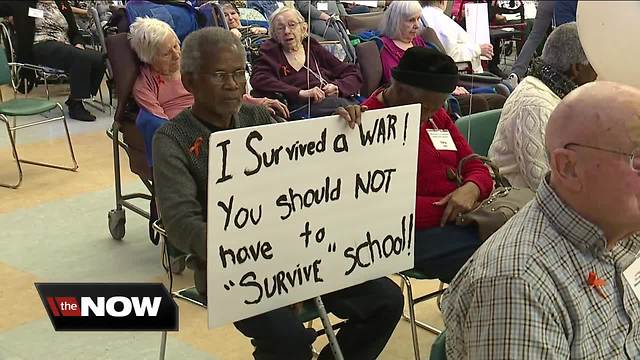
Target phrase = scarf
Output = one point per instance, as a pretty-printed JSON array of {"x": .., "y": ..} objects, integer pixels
[{"x": 558, "y": 82}]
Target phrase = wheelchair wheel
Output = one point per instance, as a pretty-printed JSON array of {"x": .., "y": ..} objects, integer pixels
[{"x": 117, "y": 220}]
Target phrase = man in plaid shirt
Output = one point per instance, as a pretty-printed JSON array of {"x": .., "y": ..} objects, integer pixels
[{"x": 550, "y": 284}]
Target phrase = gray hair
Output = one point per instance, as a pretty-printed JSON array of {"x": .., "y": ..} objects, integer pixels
[
  {"x": 207, "y": 38},
  {"x": 279, "y": 12},
  {"x": 146, "y": 34},
  {"x": 563, "y": 48},
  {"x": 396, "y": 13}
]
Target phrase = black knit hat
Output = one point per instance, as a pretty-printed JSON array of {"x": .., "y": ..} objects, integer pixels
[{"x": 427, "y": 69}]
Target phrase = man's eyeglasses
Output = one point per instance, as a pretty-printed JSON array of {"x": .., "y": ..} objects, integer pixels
[
  {"x": 291, "y": 25},
  {"x": 219, "y": 77},
  {"x": 634, "y": 157}
]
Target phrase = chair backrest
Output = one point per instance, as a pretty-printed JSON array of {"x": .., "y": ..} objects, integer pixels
[
  {"x": 357, "y": 23},
  {"x": 479, "y": 129},
  {"x": 368, "y": 56},
  {"x": 370, "y": 67},
  {"x": 429, "y": 36},
  {"x": 5, "y": 72},
  {"x": 438, "y": 349},
  {"x": 125, "y": 65}
]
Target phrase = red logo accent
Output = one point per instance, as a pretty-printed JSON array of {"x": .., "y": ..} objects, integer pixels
[{"x": 66, "y": 306}]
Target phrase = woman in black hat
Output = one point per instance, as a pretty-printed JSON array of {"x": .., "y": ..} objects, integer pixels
[{"x": 426, "y": 76}]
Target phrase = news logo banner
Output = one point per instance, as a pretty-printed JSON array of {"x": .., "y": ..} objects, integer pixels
[
  {"x": 301, "y": 209},
  {"x": 109, "y": 306}
]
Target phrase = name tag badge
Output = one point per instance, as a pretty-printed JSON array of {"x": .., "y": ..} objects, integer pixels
[
  {"x": 36, "y": 13},
  {"x": 442, "y": 139},
  {"x": 322, "y": 6},
  {"x": 632, "y": 275}
]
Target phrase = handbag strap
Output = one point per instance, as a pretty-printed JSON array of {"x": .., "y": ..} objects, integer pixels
[{"x": 500, "y": 180}]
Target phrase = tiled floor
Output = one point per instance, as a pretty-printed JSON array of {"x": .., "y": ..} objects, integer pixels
[{"x": 54, "y": 228}]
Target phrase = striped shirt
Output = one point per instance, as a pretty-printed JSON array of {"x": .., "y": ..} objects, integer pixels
[
  {"x": 524, "y": 294},
  {"x": 52, "y": 26}
]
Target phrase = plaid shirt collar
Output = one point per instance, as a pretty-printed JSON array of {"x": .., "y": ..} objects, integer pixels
[{"x": 583, "y": 234}]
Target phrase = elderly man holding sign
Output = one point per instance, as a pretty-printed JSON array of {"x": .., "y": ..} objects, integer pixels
[{"x": 181, "y": 161}]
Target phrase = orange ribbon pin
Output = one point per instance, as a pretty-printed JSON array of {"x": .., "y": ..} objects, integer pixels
[
  {"x": 596, "y": 283},
  {"x": 195, "y": 148}
]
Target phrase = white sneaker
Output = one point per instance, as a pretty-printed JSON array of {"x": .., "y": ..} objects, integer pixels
[{"x": 513, "y": 80}]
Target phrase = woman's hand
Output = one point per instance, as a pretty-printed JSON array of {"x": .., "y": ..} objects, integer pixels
[
  {"x": 458, "y": 202},
  {"x": 236, "y": 32},
  {"x": 486, "y": 50},
  {"x": 257, "y": 30},
  {"x": 352, "y": 114},
  {"x": 275, "y": 107},
  {"x": 330, "y": 90},
  {"x": 79, "y": 46},
  {"x": 460, "y": 91},
  {"x": 315, "y": 94}
]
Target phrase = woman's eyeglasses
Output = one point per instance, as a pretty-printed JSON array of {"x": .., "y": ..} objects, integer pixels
[{"x": 291, "y": 25}]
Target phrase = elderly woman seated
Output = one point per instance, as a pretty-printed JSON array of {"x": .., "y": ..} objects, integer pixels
[
  {"x": 302, "y": 70},
  {"x": 232, "y": 15},
  {"x": 453, "y": 37},
  {"x": 400, "y": 31},
  {"x": 426, "y": 76},
  {"x": 518, "y": 146},
  {"x": 158, "y": 89}
]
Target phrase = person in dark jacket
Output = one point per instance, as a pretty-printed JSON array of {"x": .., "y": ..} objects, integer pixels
[
  {"x": 289, "y": 56},
  {"x": 47, "y": 35}
]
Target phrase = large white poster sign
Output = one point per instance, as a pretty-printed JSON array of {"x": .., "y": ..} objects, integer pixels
[
  {"x": 477, "y": 22},
  {"x": 301, "y": 209}
]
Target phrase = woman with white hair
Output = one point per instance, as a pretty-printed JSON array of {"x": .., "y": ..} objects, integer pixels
[
  {"x": 158, "y": 90},
  {"x": 303, "y": 70},
  {"x": 518, "y": 146},
  {"x": 400, "y": 30}
]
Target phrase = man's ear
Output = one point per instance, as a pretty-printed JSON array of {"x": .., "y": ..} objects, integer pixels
[{"x": 563, "y": 165}]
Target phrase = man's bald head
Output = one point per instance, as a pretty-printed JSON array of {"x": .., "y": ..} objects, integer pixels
[
  {"x": 597, "y": 113},
  {"x": 591, "y": 137}
]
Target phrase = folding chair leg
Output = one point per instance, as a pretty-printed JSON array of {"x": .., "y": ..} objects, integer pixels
[
  {"x": 14, "y": 152},
  {"x": 328, "y": 328},
  {"x": 66, "y": 129},
  {"x": 419, "y": 323},
  {"x": 11, "y": 130},
  {"x": 412, "y": 315},
  {"x": 163, "y": 344}
]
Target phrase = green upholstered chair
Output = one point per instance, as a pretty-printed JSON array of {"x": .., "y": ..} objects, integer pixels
[
  {"x": 16, "y": 108},
  {"x": 438, "y": 350},
  {"x": 479, "y": 129}
]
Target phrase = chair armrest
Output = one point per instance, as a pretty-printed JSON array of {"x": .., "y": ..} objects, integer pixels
[{"x": 480, "y": 79}]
